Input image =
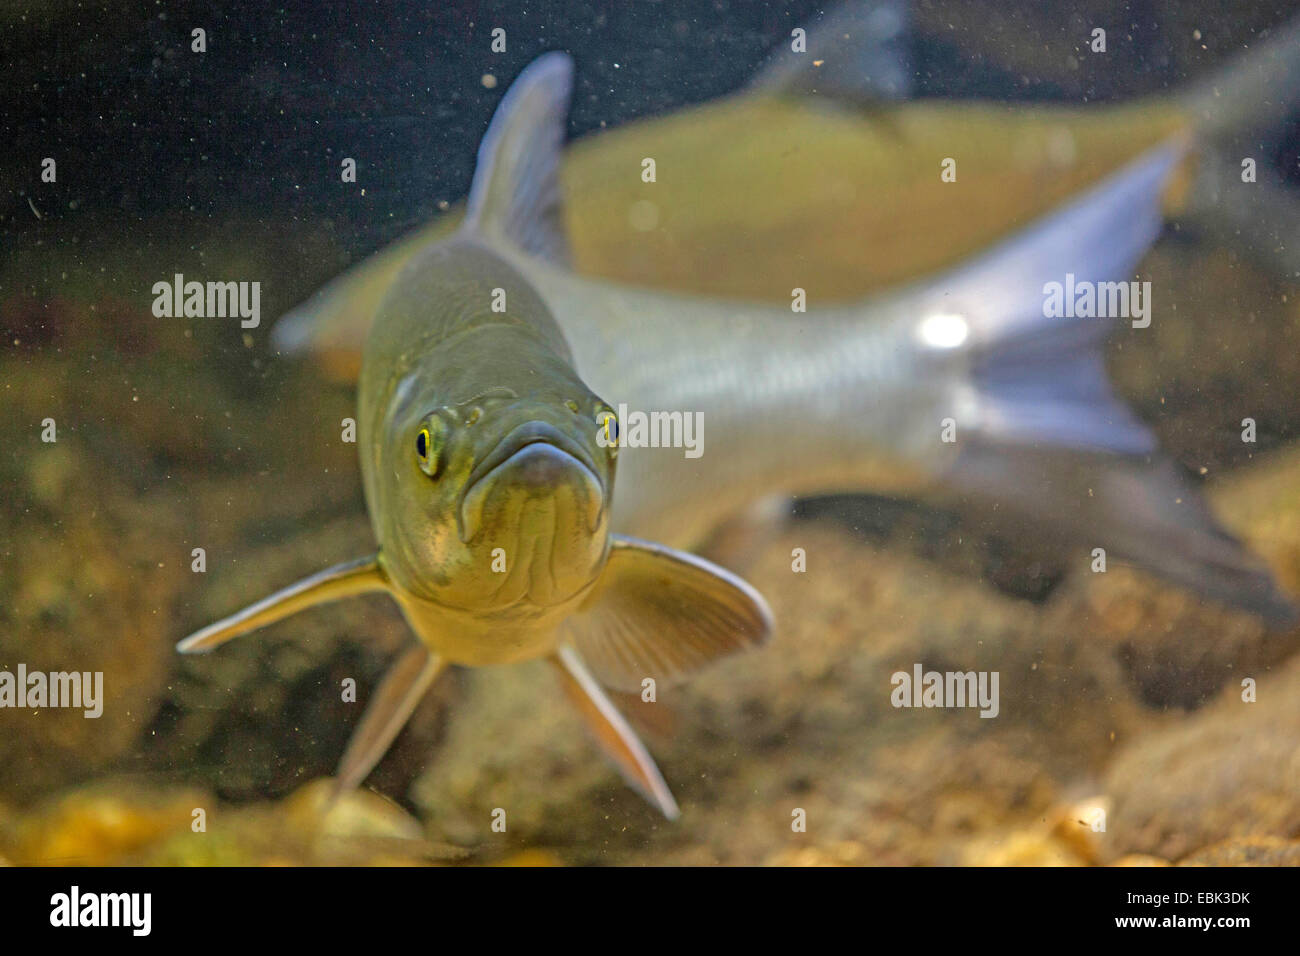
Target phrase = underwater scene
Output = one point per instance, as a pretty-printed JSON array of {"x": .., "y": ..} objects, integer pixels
[{"x": 667, "y": 433}]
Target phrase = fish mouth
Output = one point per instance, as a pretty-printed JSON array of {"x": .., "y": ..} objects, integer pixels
[{"x": 540, "y": 465}]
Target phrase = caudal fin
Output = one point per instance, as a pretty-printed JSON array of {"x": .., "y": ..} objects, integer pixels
[{"x": 1042, "y": 438}]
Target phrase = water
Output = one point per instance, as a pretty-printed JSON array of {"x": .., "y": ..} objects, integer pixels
[{"x": 161, "y": 472}]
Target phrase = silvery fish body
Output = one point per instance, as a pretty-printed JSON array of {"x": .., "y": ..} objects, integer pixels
[
  {"x": 961, "y": 388},
  {"x": 785, "y": 403}
]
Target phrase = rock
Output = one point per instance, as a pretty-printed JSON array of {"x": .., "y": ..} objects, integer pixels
[
  {"x": 1139, "y": 859},
  {"x": 1022, "y": 848},
  {"x": 118, "y": 822},
  {"x": 1248, "y": 851},
  {"x": 534, "y": 857},
  {"x": 314, "y": 809},
  {"x": 101, "y": 825},
  {"x": 1080, "y": 825},
  {"x": 806, "y": 723},
  {"x": 845, "y": 853},
  {"x": 1179, "y": 651},
  {"x": 83, "y": 588},
  {"x": 1232, "y": 770}
]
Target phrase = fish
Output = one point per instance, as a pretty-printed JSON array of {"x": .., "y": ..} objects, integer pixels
[
  {"x": 490, "y": 491},
  {"x": 801, "y": 178},
  {"x": 856, "y": 397}
]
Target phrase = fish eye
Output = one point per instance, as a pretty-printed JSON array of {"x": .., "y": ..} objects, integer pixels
[{"x": 428, "y": 446}]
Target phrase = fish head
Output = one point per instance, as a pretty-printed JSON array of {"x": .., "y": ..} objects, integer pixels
[{"x": 505, "y": 490}]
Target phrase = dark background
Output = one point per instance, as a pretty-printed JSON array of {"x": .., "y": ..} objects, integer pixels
[{"x": 143, "y": 127}]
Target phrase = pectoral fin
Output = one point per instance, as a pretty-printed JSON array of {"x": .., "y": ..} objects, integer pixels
[
  {"x": 661, "y": 613},
  {"x": 343, "y": 580},
  {"x": 405, "y": 684},
  {"x": 612, "y": 732}
]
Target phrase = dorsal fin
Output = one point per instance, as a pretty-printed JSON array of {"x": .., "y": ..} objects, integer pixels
[
  {"x": 516, "y": 194},
  {"x": 858, "y": 52}
]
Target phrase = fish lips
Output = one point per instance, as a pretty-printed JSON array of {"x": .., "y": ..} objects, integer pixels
[{"x": 544, "y": 456}]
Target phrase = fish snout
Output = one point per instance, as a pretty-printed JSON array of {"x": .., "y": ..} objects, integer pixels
[{"x": 535, "y": 472}]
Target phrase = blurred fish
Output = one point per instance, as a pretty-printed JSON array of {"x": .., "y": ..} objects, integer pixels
[
  {"x": 823, "y": 175},
  {"x": 489, "y": 490},
  {"x": 853, "y": 397}
]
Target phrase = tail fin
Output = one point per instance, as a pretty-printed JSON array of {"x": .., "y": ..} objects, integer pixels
[{"x": 1046, "y": 441}]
